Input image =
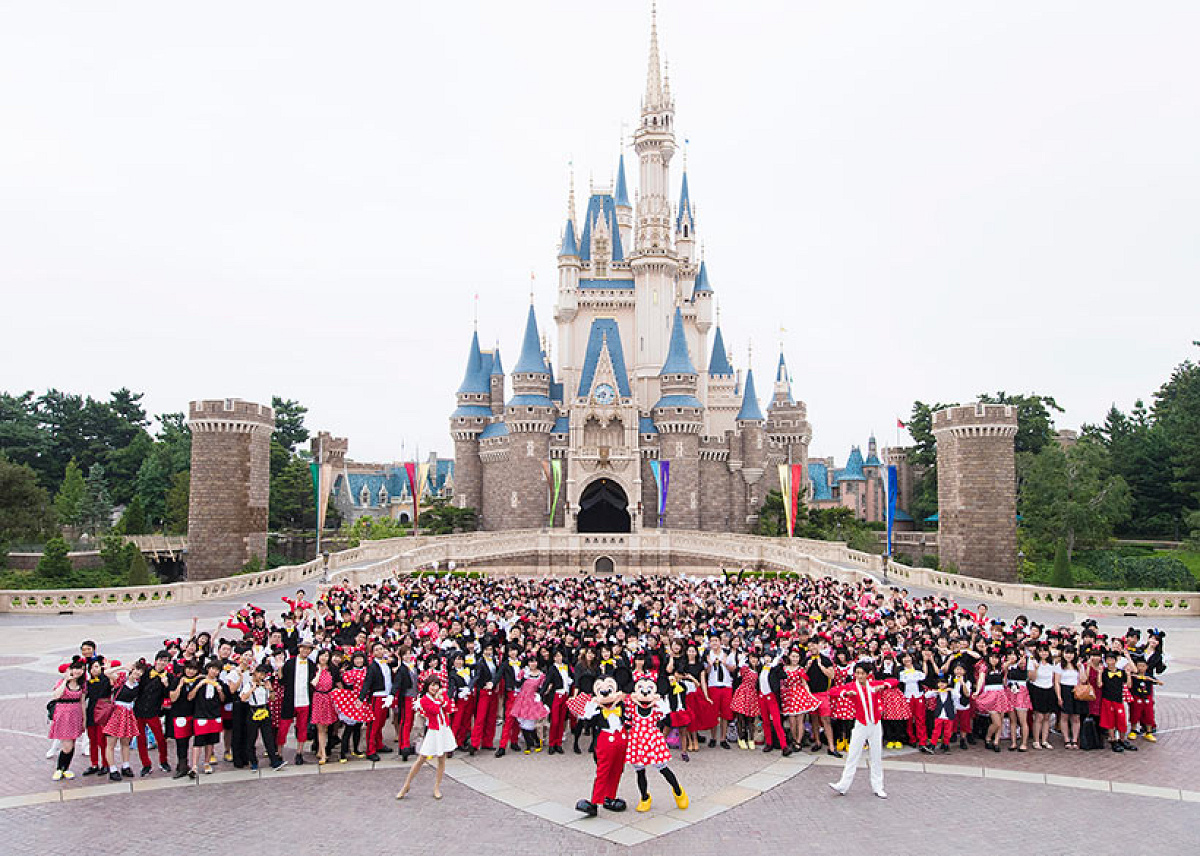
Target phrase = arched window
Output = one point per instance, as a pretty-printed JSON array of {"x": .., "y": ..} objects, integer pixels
[{"x": 364, "y": 496}]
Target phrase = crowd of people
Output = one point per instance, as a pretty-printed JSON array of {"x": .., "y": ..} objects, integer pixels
[{"x": 496, "y": 663}]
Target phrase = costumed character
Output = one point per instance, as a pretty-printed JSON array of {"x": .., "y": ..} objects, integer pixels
[
  {"x": 603, "y": 709},
  {"x": 646, "y": 746}
]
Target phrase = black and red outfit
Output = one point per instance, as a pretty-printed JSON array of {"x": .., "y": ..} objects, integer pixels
[{"x": 148, "y": 709}]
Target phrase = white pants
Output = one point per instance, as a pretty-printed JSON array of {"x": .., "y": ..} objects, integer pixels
[{"x": 872, "y": 735}]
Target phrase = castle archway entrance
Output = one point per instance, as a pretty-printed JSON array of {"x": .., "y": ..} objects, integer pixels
[{"x": 603, "y": 507}]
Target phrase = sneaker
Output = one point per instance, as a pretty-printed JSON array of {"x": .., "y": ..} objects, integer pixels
[
  {"x": 228, "y": 757},
  {"x": 836, "y": 789},
  {"x": 1149, "y": 735},
  {"x": 373, "y": 757},
  {"x": 254, "y": 767},
  {"x": 1132, "y": 735},
  {"x": 926, "y": 750},
  {"x": 279, "y": 764},
  {"x": 165, "y": 767},
  {"x": 1129, "y": 747},
  {"x": 881, "y": 794},
  {"x": 145, "y": 771},
  {"x": 58, "y": 774},
  {"x": 741, "y": 743},
  {"x": 68, "y": 775},
  {"x": 725, "y": 744}
]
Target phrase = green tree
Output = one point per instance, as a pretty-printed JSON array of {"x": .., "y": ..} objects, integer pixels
[
  {"x": 442, "y": 517},
  {"x": 152, "y": 485},
  {"x": 22, "y": 440},
  {"x": 122, "y": 465},
  {"x": 25, "y": 512},
  {"x": 95, "y": 509},
  {"x": 1061, "y": 576},
  {"x": 1070, "y": 496},
  {"x": 176, "y": 515},
  {"x": 133, "y": 521},
  {"x": 174, "y": 443},
  {"x": 289, "y": 423},
  {"x": 292, "y": 496},
  {"x": 772, "y": 521},
  {"x": 1177, "y": 409},
  {"x": 1035, "y": 418},
  {"x": 55, "y": 564},
  {"x": 115, "y": 556},
  {"x": 70, "y": 496},
  {"x": 139, "y": 572},
  {"x": 924, "y": 456}
]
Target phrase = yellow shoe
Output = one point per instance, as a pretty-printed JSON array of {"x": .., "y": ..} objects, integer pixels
[
  {"x": 228, "y": 756},
  {"x": 644, "y": 805},
  {"x": 843, "y": 745},
  {"x": 1133, "y": 735},
  {"x": 1150, "y": 737},
  {"x": 741, "y": 743},
  {"x": 681, "y": 799}
]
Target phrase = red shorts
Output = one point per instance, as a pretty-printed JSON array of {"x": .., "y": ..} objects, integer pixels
[
  {"x": 1112, "y": 714},
  {"x": 722, "y": 701},
  {"x": 181, "y": 727},
  {"x": 825, "y": 709},
  {"x": 206, "y": 726}
]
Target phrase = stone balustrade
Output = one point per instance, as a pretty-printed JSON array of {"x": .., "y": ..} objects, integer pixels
[{"x": 545, "y": 552}]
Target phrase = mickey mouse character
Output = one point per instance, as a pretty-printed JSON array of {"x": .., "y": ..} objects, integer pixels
[
  {"x": 603, "y": 709},
  {"x": 646, "y": 746}
]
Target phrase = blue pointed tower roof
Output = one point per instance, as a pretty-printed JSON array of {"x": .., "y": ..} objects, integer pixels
[
  {"x": 622, "y": 194},
  {"x": 531, "y": 361},
  {"x": 569, "y": 245},
  {"x": 685, "y": 204},
  {"x": 750, "y": 411},
  {"x": 718, "y": 363},
  {"x": 475, "y": 380},
  {"x": 853, "y": 470},
  {"x": 701, "y": 280},
  {"x": 497, "y": 368},
  {"x": 781, "y": 373},
  {"x": 678, "y": 359}
]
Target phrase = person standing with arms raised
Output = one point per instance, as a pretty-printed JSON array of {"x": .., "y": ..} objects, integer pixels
[{"x": 867, "y": 729}]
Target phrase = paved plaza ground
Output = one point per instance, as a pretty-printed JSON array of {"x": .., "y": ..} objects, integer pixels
[{"x": 742, "y": 802}]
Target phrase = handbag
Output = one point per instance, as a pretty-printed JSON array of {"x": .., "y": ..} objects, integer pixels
[
  {"x": 102, "y": 711},
  {"x": 1089, "y": 736},
  {"x": 1084, "y": 692}
]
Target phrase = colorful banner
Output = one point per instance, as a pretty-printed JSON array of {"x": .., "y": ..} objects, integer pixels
[
  {"x": 410, "y": 469},
  {"x": 423, "y": 481},
  {"x": 785, "y": 492},
  {"x": 891, "y": 504},
  {"x": 315, "y": 469},
  {"x": 662, "y": 479},
  {"x": 796, "y": 482},
  {"x": 556, "y": 471}
]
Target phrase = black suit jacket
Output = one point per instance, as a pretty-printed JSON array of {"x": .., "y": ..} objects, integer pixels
[{"x": 288, "y": 675}]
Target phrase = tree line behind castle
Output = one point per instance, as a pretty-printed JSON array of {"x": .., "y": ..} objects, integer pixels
[{"x": 81, "y": 472}]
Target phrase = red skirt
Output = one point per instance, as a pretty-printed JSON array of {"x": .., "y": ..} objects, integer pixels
[
  {"x": 994, "y": 701},
  {"x": 122, "y": 724},
  {"x": 893, "y": 704},
  {"x": 349, "y": 707},
  {"x": 745, "y": 699},
  {"x": 841, "y": 706},
  {"x": 704, "y": 715},
  {"x": 797, "y": 700}
]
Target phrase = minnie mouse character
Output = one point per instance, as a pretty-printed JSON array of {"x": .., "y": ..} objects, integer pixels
[{"x": 646, "y": 746}]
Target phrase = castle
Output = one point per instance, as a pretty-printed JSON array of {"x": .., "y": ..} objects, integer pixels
[{"x": 633, "y": 434}]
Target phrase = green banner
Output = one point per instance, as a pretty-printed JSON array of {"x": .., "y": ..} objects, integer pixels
[{"x": 556, "y": 469}]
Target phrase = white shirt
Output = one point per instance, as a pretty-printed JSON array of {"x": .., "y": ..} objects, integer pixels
[
  {"x": 300, "y": 683},
  {"x": 1044, "y": 676},
  {"x": 726, "y": 663},
  {"x": 1067, "y": 677}
]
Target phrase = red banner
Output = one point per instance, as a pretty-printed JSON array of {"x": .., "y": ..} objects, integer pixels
[
  {"x": 411, "y": 470},
  {"x": 798, "y": 478}
]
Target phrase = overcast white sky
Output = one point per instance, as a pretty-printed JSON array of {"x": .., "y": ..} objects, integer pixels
[{"x": 299, "y": 198}]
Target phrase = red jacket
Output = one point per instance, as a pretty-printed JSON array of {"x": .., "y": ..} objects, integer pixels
[
  {"x": 436, "y": 716},
  {"x": 873, "y": 713}
]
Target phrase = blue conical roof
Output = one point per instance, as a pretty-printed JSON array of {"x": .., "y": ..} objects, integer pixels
[
  {"x": 854, "y": 467},
  {"x": 678, "y": 359},
  {"x": 750, "y": 411},
  {"x": 781, "y": 373},
  {"x": 685, "y": 205},
  {"x": 569, "y": 246},
  {"x": 475, "y": 380},
  {"x": 622, "y": 194},
  {"x": 497, "y": 368},
  {"x": 531, "y": 361},
  {"x": 718, "y": 363},
  {"x": 701, "y": 280}
]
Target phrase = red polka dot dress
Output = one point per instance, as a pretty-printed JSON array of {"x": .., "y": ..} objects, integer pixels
[
  {"x": 68, "y": 721},
  {"x": 646, "y": 746},
  {"x": 745, "y": 697},
  {"x": 797, "y": 699},
  {"x": 842, "y": 706},
  {"x": 346, "y": 701}
]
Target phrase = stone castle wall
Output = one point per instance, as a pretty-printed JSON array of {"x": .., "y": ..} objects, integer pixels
[{"x": 977, "y": 490}]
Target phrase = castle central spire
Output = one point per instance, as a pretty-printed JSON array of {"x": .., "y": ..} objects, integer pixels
[{"x": 654, "y": 84}]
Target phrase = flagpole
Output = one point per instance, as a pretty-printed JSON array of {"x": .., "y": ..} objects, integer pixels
[{"x": 320, "y": 458}]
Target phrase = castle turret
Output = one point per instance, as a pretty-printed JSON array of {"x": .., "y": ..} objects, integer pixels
[
  {"x": 678, "y": 417},
  {"x": 753, "y": 456},
  {"x": 685, "y": 224},
  {"x": 702, "y": 298},
  {"x": 467, "y": 422},
  {"x": 529, "y": 418},
  {"x": 624, "y": 209},
  {"x": 788, "y": 431},
  {"x": 977, "y": 490},
  {"x": 496, "y": 382}
]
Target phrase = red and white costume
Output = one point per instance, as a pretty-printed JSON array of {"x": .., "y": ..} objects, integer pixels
[
  {"x": 868, "y": 730},
  {"x": 645, "y": 746}
]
